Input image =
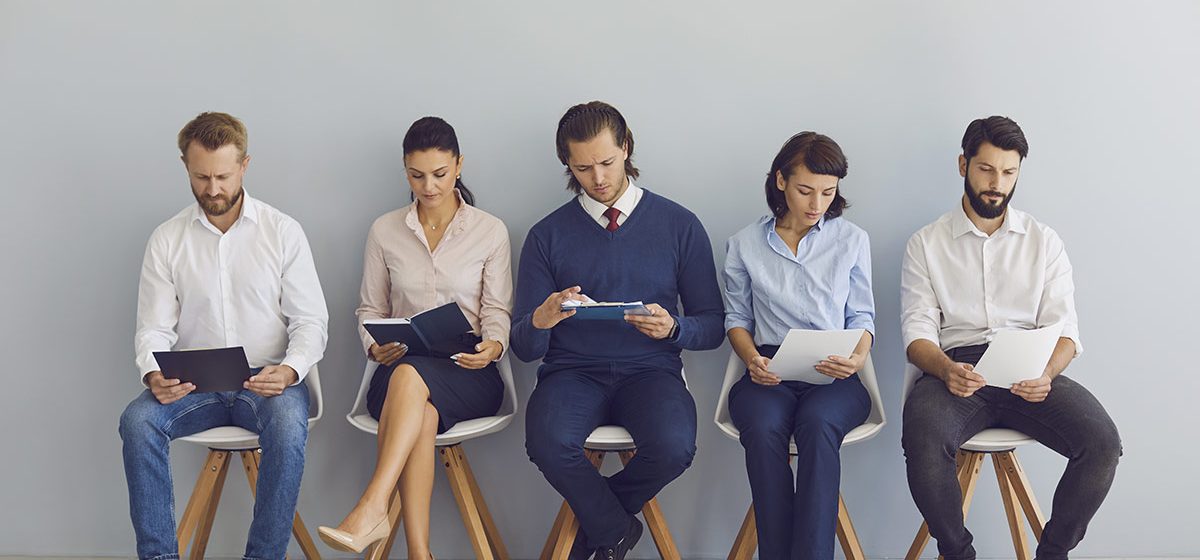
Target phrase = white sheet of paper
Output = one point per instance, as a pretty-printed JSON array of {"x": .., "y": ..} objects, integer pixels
[
  {"x": 802, "y": 349},
  {"x": 1018, "y": 355}
]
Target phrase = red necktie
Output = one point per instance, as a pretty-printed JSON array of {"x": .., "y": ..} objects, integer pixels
[{"x": 612, "y": 214}]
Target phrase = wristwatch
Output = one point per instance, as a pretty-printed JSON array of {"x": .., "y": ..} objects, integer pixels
[{"x": 674, "y": 329}]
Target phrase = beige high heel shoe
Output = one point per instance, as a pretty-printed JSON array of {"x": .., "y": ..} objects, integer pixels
[{"x": 347, "y": 542}]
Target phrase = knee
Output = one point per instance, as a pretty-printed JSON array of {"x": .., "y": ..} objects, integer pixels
[
  {"x": 815, "y": 432},
  {"x": 138, "y": 421},
  {"x": 406, "y": 381},
  {"x": 552, "y": 452},
  {"x": 1104, "y": 446},
  {"x": 671, "y": 454},
  {"x": 923, "y": 447},
  {"x": 762, "y": 434},
  {"x": 287, "y": 425}
]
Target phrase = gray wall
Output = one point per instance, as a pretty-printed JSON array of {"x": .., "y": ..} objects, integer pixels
[{"x": 92, "y": 96}]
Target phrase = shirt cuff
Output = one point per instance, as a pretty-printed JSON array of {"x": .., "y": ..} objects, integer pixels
[
  {"x": 732, "y": 322},
  {"x": 299, "y": 364},
  {"x": 914, "y": 334}
]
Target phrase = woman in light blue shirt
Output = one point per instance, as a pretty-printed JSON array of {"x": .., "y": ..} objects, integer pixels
[{"x": 802, "y": 267}]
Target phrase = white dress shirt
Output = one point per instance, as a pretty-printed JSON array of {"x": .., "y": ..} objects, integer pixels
[
  {"x": 958, "y": 286},
  {"x": 254, "y": 286},
  {"x": 628, "y": 201}
]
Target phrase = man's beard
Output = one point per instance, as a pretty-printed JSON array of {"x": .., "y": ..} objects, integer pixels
[
  {"x": 986, "y": 209},
  {"x": 218, "y": 205}
]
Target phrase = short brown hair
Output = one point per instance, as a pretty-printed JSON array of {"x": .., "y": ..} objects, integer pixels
[
  {"x": 586, "y": 121},
  {"x": 213, "y": 130}
]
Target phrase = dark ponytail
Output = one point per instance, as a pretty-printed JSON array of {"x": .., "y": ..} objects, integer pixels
[{"x": 433, "y": 133}]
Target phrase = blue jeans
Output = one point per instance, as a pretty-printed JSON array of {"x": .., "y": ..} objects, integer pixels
[
  {"x": 567, "y": 404},
  {"x": 147, "y": 428},
  {"x": 1070, "y": 421},
  {"x": 796, "y": 521}
]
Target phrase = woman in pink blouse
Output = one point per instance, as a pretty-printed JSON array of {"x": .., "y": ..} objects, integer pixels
[{"x": 438, "y": 249}]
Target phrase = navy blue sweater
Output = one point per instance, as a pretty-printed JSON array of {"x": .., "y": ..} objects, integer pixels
[{"x": 660, "y": 254}]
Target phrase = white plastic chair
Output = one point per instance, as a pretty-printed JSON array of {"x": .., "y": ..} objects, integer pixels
[
  {"x": 747, "y": 539},
  {"x": 603, "y": 440},
  {"x": 485, "y": 538},
  {"x": 1001, "y": 444},
  {"x": 221, "y": 443}
]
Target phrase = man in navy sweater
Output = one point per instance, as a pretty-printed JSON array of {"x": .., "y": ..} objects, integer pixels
[{"x": 614, "y": 242}]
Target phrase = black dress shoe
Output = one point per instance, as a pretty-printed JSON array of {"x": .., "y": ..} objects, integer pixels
[
  {"x": 579, "y": 549},
  {"x": 619, "y": 550}
]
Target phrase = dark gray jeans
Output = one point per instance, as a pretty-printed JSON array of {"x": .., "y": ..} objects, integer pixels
[{"x": 1070, "y": 421}]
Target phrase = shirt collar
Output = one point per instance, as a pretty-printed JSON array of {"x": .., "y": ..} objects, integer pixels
[
  {"x": 249, "y": 210},
  {"x": 458, "y": 222},
  {"x": 769, "y": 221},
  {"x": 1014, "y": 222},
  {"x": 625, "y": 204}
]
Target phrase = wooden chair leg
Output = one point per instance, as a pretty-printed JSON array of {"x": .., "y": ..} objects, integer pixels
[
  {"x": 466, "y": 503},
  {"x": 252, "y": 459},
  {"x": 200, "y": 544},
  {"x": 1020, "y": 484},
  {"x": 747, "y": 538},
  {"x": 656, "y": 521},
  {"x": 566, "y": 525},
  {"x": 1016, "y": 525},
  {"x": 969, "y": 463},
  {"x": 489, "y": 526},
  {"x": 381, "y": 550},
  {"x": 846, "y": 533},
  {"x": 197, "y": 504}
]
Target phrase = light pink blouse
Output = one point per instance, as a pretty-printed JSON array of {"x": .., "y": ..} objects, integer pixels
[{"x": 472, "y": 266}]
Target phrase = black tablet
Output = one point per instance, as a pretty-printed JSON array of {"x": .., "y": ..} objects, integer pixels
[{"x": 210, "y": 370}]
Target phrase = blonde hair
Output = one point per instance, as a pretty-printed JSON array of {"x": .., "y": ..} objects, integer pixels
[{"x": 214, "y": 130}]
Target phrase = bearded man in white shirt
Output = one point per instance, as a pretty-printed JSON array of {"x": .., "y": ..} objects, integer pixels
[
  {"x": 983, "y": 268},
  {"x": 226, "y": 271}
]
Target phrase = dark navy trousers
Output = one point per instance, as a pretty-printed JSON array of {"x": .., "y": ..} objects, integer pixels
[
  {"x": 568, "y": 403},
  {"x": 797, "y": 521}
]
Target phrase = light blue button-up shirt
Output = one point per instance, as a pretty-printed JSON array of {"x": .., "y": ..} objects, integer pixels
[{"x": 826, "y": 285}]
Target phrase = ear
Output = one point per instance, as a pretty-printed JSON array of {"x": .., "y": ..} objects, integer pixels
[
  {"x": 780, "y": 182},
  {"x": 245, "y": 163},
  {"x": 962, "y": 165},
  {"x": 458, "y": 166}
]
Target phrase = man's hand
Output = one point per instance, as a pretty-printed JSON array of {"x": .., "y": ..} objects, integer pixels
[
  {"x": 389, "y": 353},
  {"x": 488, "y": 352},
  {"x": 1033, "y": 390},
  {"x": 166, "y": 390},
  {"x": 841, "y": 367},
  {"x": 550, "y": 312},
  {"x": 758, "y": 371},
  {"x": 271, "y": 380},
  {"x": 657, "y": 325},
  {"x": 961, "y": 379}
]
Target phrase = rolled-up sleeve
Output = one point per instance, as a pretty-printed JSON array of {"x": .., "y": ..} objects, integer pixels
[
  {"x": 739, "y": 303},
  {"x": 1058, "y": 293},
  {"x": 920, "y": 312},
  {"x": 860, "y": 304}
]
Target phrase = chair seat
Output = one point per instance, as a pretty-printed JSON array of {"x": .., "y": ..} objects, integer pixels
[
  {"x": 458, "y": 433},
  {"x": 609, "y": 438},
  {"x": 997, "y": 439},
  {"x": 228, "y": 438}
]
